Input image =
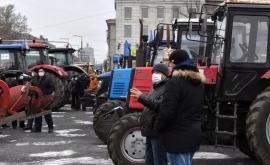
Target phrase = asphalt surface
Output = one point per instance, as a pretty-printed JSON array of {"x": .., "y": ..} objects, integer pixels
[{"x": 74, "y": 142}]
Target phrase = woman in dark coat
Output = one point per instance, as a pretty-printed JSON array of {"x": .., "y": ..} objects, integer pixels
[
  {"x": 155, "y": 154},
  {"x": 179, "y": 120}
]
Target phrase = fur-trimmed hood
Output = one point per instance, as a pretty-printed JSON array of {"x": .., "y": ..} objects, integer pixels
[{"x": 190, "y": 75}]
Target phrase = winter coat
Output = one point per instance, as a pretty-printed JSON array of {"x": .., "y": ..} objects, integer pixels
[
  {"x": 93, "y": 83},
  {"x": 179, "y": 120},
  {"x": 151, "y": 109},
  {"x": 45, "y": 84}
]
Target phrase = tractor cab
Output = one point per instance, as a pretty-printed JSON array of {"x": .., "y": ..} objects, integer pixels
[
  {"x": 12, "y": 59},
  {"x": 63, "y": 56},
  {"x": 37, "y": 54}
]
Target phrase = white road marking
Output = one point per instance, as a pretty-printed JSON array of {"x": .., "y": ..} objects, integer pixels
[
  {"x": 11, "y": 141},
  {"x": 210, "y": 155},
  {"x": 89, "y": 113},
  {"x": 73, "y": 117},
  {"x": 55, "y": 116},
  {"x": 3, "y": 136},
  {"x": 58, "y": 112},
  {"x": 102, "y": 146},
  {"x": 79, "y": 160},
  {"x": 52, "y": 143},
  {"x": 22, "y": 144},
  {"x": 54, "y": 154},
  {"x": 83, "y": 122},
  {"x": 68, "y": 133}
]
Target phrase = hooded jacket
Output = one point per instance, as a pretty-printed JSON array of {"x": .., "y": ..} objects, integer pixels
[{"x": 179, "y": 120}]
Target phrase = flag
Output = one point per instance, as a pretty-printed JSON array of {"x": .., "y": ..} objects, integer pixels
[
  {"x": 151, "y": 38},
  {"x": 126, "y": 49},
  {"x": 133, "y": 52}
]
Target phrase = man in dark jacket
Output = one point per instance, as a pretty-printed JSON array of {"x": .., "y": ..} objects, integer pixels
[
  {"x": 46, "y": 86},
  {"x": 155, "y": 154},
  {"x": 179, "y": 120}
]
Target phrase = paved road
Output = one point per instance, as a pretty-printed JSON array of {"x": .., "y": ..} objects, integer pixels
[{"x": 74, "y": 142}]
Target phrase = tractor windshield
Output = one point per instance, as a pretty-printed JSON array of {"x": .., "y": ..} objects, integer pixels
[
  {"x": 249, "y": 39},
  {"x": 8, "y": 60},
  {"x": 61, "y": 58},
  {"x": 36, "y": 57}
]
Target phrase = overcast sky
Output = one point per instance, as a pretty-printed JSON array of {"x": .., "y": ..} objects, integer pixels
[{"x": 55, "y": 19}]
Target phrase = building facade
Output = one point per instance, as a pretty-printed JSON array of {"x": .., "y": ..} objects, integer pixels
[
  {"x": 111, "y": 40},
  {"x": 87, "y": 55},
  {"x": 153, "y": 12}
]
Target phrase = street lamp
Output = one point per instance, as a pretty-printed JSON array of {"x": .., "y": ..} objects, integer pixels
[{"x": 81, "y": 45}]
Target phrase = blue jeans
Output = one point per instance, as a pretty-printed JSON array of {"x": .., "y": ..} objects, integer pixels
[
  {"x": 180, "y": 158},
  {"x": 155, "y": 154}
]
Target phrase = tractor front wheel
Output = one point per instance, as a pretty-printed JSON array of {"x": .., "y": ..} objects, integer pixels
[
  {"x": 59, "y": 85},
  {"x": 258, "y": 127},
  {"x": 126, "y": 145},
  {"x": 102, "y": 123}
]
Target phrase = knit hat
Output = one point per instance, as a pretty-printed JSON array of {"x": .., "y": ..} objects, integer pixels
[
  {"x": 182, "y": 61},
  {"x": 161, "y": 68}
]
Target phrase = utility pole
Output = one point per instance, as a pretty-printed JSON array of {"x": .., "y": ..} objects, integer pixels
[{"x": 80, "y": 36}]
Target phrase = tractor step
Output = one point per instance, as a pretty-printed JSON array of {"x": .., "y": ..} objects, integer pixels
[{"x": 231, "y": 118}]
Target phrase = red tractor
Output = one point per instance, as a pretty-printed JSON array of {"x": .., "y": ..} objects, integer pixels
[
  {"x": 237, "y": 98},
  {"x": 37, "y": 57},
  {"x": 15, "y": 98}
]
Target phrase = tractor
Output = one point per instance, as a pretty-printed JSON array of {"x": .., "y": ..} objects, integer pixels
[
  {"x": 37, "y": 57},
  {"x": 14, "y": 100},
  {"x": 237, "y": 91},
  {"x": 124, "y": 79},
  {"x": 63, "y": 57}
]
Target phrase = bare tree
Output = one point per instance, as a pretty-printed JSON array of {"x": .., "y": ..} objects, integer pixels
[
  {"x": 191, "y": 6},
  {"x": 12, "y": 25}
]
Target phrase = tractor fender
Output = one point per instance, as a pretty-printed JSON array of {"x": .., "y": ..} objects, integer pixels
[
  {"x": 4, "y": 98},
  {"x": 75, "y": 68},
  {"x": 51, "y": 68}
]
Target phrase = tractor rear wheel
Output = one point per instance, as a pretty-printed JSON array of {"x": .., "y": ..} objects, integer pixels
[
  {"x": 102, "y": 123},
  {"x": 258, "y": 126},
  {"x": 59, "y": 85},
  {"x": 126, "y": 145}
]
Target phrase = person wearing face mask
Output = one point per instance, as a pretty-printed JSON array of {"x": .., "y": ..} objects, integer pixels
[
  {"x": 155, "y": 154},
  {"x": 45, "y": 84}
]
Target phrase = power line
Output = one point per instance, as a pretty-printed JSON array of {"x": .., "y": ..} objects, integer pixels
[{"x": 72, "y": 20}]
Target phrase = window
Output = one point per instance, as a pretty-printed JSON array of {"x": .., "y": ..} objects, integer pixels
[
  {"x": 127, "y": 31},
  {"x": 160, "y": 12},
  {"x": 249, "y": 39},
  {"x": 128, "y": 12},
  {"x": 144, "y": 12},
  {"x": 145, "y": 29},
  {"x": 176, "y": 12}
]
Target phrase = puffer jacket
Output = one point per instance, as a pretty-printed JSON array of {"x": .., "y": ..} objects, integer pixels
[
  {"x": 179, "y": 120},
  {"x": 151, "y": 109}
]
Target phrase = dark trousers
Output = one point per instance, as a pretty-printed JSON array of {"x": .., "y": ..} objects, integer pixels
[
  {"x": 30, "y": 123},
  {"x": 48, "y": 119},
  {"x": 155, "y": 153},
  {"x": 75, "y": 102}
]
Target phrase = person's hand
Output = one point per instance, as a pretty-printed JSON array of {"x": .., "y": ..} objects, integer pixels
[{"x": 135, "y": 93}]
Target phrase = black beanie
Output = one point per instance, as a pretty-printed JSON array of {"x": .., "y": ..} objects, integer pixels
[
  {"x": 178, "y": 56},
  {"x": 161, "y": 68}
]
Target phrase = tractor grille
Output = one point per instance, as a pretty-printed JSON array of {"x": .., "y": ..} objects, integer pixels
[{"x": 118, "y": 89}]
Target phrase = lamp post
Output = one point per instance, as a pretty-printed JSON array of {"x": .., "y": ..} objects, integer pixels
[{"x": 80, "y": 36}]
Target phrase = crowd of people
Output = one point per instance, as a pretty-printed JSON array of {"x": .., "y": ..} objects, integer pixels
[{"x": 171, "y": 119}]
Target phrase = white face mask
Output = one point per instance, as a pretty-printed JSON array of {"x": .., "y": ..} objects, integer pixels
[
  {"x": 21, "y": 77},
  {"x": 156, "y": 78},
  {"x": 33, "y": 74},
  {"x": 41, "y": 74}
]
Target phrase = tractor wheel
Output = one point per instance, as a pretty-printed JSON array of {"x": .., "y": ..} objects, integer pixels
[
  {"x": 59, "y": 85},
  {"x": 126, "y": 145},
  {"x": 258, "y": 127},
  {"x": 102, "y": 123}
]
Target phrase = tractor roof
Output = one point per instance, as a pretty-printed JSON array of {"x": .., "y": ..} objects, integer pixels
[
  {"x": 62, "y": 50},
  {"x": 37, "y": 45},
  {"x": 13, "y": 46},
  {"x": 248, "y": 3}
]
